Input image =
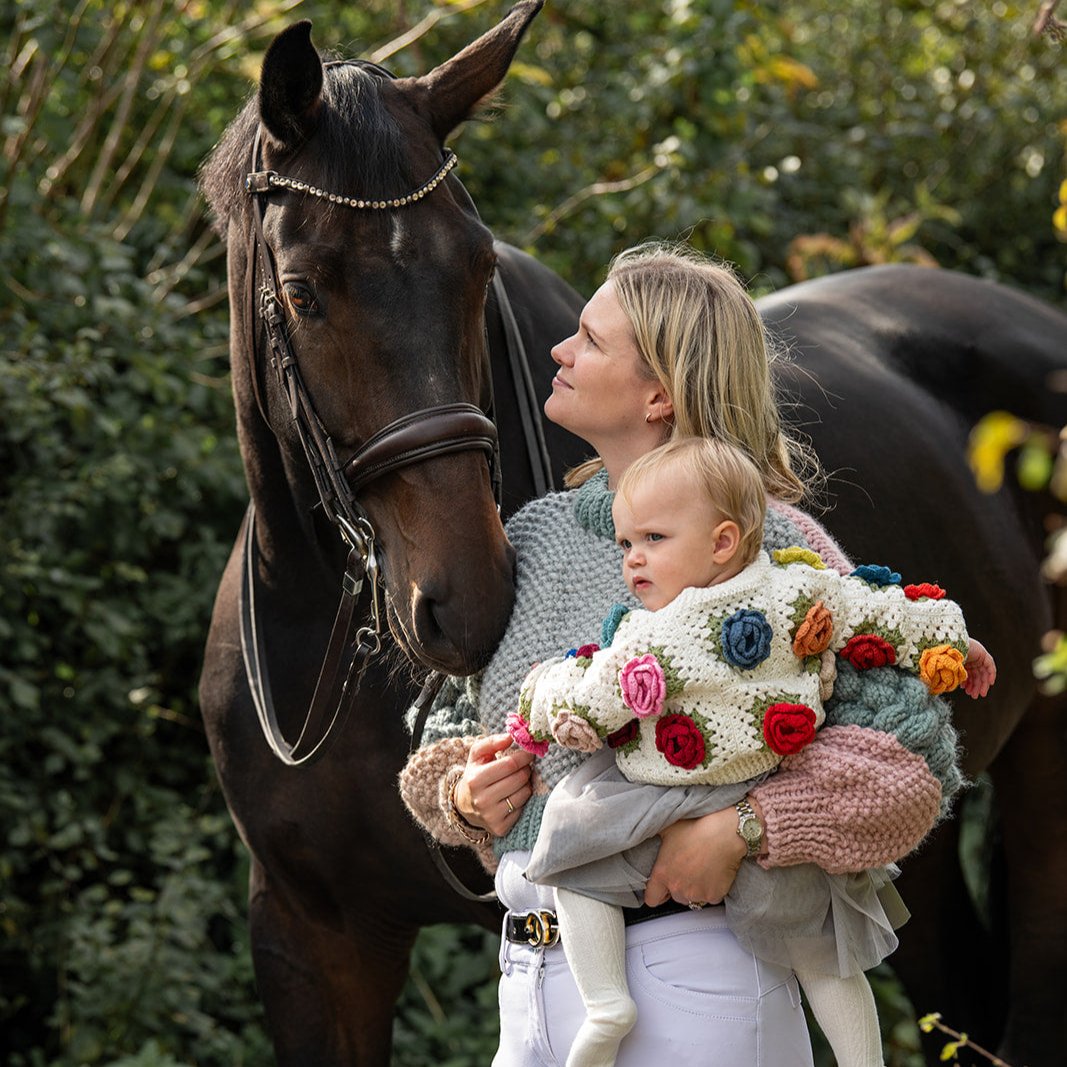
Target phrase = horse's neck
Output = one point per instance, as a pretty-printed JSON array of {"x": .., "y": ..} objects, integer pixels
[{"x": 297, "y": 545}]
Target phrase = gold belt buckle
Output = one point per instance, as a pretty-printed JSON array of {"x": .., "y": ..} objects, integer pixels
[{"x": 542, "y": 928}]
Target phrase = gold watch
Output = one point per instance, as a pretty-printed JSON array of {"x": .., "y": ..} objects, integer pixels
[{"x": 749, "y": 828}]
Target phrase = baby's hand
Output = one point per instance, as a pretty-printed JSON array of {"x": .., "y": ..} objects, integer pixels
[{"x": 981, "y": 670}]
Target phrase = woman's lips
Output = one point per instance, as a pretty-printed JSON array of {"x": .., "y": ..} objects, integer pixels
[{"x": 559, "y": 383}]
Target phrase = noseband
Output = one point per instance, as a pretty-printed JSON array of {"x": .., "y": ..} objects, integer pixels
[{"x": 413, "y": 438}]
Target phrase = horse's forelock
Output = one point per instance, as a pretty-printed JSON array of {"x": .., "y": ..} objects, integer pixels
[{"x": 358, "y": 144}]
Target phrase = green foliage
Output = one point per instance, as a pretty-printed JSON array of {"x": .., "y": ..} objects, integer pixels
[{"x": 789, "y": 137}]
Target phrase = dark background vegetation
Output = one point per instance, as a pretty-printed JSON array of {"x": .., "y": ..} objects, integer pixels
[{"x": 794, "y": 138}]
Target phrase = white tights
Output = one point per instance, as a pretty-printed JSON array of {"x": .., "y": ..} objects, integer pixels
[{"x": 594, "y": 939}]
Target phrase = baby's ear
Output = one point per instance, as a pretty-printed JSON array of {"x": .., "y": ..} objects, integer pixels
[{"x": 725, "y": 539}]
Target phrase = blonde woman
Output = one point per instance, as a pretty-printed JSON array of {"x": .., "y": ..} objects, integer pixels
[{"x": 670, "y": 344}]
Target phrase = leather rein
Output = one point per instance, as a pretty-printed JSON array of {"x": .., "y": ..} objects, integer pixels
[{"x": 413, "y": 438}]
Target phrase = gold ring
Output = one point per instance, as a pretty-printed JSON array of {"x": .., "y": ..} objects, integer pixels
[{"x": 511, "y": 807}]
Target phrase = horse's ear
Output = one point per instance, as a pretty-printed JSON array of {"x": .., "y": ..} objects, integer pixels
[
  {"x": 456, "y": 88},
  {"x": 290, "y": 87}
]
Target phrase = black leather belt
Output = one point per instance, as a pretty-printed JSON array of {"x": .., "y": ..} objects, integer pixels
[{"x": 541, "y": 928}]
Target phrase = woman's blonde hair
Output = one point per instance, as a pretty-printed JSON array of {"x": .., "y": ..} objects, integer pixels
[
  {"x": 723, "y": 472},
  {"x": 699, "y": 334}
]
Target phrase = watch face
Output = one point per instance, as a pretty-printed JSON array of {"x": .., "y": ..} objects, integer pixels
[{"x": 751, "y": 830}]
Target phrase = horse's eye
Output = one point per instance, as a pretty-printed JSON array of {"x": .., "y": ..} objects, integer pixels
[{"x": 301, "y": 299}]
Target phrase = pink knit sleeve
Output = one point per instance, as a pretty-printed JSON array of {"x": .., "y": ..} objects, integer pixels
[
  {"x": 854, "y": 798},
  {"x": 424, "y": 784},
  {"x": 817, "y": 537}
]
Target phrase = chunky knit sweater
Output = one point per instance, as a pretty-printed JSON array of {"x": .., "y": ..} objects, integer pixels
[
  {"x": 568, "y": 567},
  {"x": 724, "y": 681}
]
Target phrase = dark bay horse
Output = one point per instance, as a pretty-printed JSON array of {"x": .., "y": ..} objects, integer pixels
[{"x": 381, "y": 312}]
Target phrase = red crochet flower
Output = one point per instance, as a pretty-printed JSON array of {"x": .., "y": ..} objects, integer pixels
[
  {"x": 787, "y": 728},
  {"x": 623, "y": 735},
  {"x": 680, "y": 741},
  {"x": 586, "y": 651},
  {"x": 865, "y": 651},
  {"x": 924, "y": 589}
]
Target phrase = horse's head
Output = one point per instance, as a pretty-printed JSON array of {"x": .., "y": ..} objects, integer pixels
[{"x": 381, "y": 267}]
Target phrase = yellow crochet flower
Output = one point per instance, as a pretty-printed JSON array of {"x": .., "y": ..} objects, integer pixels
[
  {"x": 941, "y": 668},
  {"x": 796, "y": 554}
]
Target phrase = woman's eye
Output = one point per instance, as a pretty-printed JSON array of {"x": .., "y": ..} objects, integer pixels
[{"x": 301, "y": 299}]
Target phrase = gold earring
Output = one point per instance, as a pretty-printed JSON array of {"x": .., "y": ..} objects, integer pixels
[{"x": 648, "y": 417}]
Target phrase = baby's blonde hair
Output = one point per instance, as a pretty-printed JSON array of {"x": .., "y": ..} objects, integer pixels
[
  {"x": 699, "y": 334},
  {"x": 730, "y": 481}
]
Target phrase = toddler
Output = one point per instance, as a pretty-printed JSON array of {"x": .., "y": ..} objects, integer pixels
[{"x": 704, "y": 692}]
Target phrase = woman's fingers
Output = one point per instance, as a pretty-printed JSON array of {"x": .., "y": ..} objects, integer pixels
[
  {"x": 698, "y": 860},
  {"x": 496, "y": 783}
]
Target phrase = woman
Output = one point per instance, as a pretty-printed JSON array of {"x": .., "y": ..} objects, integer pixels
[{"x": 669, "y": 345}]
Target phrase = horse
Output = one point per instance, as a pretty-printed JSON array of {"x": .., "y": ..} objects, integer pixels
[{"x": 365, "y": 324}]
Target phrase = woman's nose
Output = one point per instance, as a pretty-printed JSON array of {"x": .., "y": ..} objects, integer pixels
[{"x": 561, "y": 352}]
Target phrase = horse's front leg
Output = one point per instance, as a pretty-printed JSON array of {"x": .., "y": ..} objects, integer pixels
[{"x": 328, "y": 994}]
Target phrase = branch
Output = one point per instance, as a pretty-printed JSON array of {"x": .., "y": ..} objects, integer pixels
[
  {"x": 572, "y": 203},
  {"x": 1046, "y": 21},
  {"x": 420, "y": 29}
]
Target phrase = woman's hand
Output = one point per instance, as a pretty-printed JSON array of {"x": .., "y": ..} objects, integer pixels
[
  {"x": 981, "y": 670},
  {"x": 698, "y": 860},
  {"x": 495, "y": 784}
]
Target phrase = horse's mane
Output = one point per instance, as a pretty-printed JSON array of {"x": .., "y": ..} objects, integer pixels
[{"x": 352, "y": 113}]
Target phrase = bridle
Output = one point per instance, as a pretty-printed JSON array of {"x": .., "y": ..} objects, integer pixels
[{"x": 413, "y": 438}]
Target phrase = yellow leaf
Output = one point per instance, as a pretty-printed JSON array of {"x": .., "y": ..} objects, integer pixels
[
  {"x": 1063, "y": 191},
  {"x": 530, "y": 74},
  {"x": 793, "y": 72},
  {"x": 950, "y": 1050},
  {"x": 1059, "y": 218},
  {"x": 928, "y": 1022},
  {"x": 992, "y": 438}
]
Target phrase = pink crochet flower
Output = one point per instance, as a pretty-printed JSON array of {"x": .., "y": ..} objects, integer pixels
[
  {"x": 572, "y": 731},
  {"x": 643, "y": 685},
  {"x": 519, "y": 729}
]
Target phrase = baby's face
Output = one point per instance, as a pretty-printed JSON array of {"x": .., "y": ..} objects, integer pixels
[{"x": 666, "y": 532}]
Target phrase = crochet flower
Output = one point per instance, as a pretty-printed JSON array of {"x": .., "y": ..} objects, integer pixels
[
  {"x": 865, "y": 651},
  {"x": 746, "y": 638},
  {"x": 942, "y": 669},
  {"x": 574, "y": 732},
  {"x": 519, "y": 729},
  {"x": 815, "y": 631},
  {"x": 643, "y": 685},
  {"x": 796, "y": 554},
  {"x": 787, "y": 728},
  {"x": 924, "y": 589},
  {"x": 876, "y": 574},
  {"x": 586, "y": 651},
  {"x": 680, "y": 741},
  {"x": 624, "y": 735}
]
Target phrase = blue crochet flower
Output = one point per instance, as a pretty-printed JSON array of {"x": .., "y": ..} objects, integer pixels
[
  {"x": 876, "y": 575},
  {"x": 746, "y": 638}
]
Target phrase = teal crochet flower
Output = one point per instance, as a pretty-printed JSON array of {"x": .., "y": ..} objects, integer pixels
[
  {"x": 876, "y": 574},
  {"x": 746, "y": 638}
]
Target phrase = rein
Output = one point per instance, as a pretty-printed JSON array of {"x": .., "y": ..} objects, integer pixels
[{"x": 413, "y": 438}]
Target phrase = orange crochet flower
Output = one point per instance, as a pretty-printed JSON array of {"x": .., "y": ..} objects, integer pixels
[
  {"x": 941, "y": 668},
  {"x": 814, "y": 633}
]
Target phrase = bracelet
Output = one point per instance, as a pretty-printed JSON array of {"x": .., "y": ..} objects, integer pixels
[{"x": 476, "y": 835}]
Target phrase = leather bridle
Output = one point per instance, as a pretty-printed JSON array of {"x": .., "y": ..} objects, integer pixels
[{"x": 413, "y": 438}]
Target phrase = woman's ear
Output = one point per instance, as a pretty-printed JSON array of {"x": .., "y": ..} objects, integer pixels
[
  {"x": 661, "y": 409},
  {"x": 725, "y": 541}
]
